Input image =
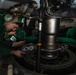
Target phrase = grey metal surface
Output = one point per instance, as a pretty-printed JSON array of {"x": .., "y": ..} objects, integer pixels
[{"x": 5, "y": 4}]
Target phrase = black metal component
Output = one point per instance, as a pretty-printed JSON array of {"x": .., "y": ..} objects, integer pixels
[
  {"x": 49, "y": 55},
  {"x": 38, "y": 52},
  {"x": 64, "y": 63},
  {"x": 22, "y": 31},
  {"x": 39, "y": 43}
]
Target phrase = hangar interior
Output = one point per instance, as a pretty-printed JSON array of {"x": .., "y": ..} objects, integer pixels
[{"x": 53, "y": 24}]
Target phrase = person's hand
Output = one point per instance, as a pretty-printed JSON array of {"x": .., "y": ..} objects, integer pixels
[
  {"x": 18, "y": 44},
  {"x": 12, "y": 33},
  {"x": 18, "y": 53}
]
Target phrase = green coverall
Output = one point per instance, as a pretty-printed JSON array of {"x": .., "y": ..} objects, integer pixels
[
  {"x": 70, "y": 36},
  {"x": 21, "y": 35},
  {"x": 5, "y": 46}
]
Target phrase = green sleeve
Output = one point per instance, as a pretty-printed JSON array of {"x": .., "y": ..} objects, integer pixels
[
  {"x": 5, "y": 47},
  {"x": 26, "y": 38},
  {"x": 5, "y": 43},
  {"x": 67, "y": 40},
  {"x": 71, "y": 33},
  {"x": 5, "y": 51},
  {"x": 30, "y": 39}
]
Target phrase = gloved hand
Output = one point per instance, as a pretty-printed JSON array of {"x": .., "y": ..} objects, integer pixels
[
  {"x": 18, "y": 53},
  {"x": 18, "y": 44}
]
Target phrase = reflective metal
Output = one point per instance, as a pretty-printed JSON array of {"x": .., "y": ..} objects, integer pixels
[{"x": 50, "y": 30}]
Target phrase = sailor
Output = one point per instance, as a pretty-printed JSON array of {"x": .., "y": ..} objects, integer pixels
[
  {"x": 6, "y": 47},
  {"x": 70, "y": 36}
]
